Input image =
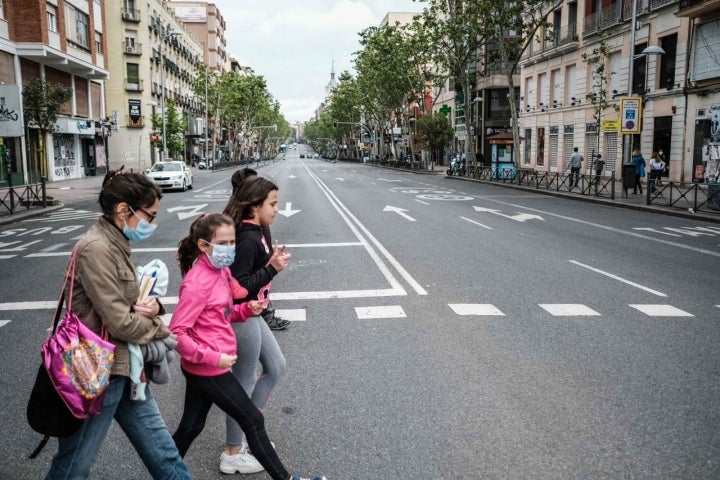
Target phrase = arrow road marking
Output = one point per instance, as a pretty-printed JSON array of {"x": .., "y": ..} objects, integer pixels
[
  {"x": 520, "y": 217},
  {"x": 288, "y": 212},
  {"x": 399, "y": 211},
  {"x": 4, "y": 322},
  {"x": 292, "y": 176},
  {"x": 194, "y": 210}
]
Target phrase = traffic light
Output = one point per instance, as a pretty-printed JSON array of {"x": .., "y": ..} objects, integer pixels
[{"x": 334, "y": 123}]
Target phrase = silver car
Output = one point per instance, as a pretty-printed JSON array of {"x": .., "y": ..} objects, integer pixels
[{"x": 173, "y": 174}]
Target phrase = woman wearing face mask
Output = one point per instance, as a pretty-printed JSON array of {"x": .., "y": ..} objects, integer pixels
[{"x": 105, "y": 294}]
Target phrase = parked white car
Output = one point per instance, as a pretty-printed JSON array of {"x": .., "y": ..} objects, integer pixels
[{"x": 171, "y": 175}]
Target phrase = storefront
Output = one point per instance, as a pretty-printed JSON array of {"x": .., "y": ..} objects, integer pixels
[
  {"x": 11, "y": 132},
  {"x": 706, "y": 151},
  {"x": 74, "y": 150}
]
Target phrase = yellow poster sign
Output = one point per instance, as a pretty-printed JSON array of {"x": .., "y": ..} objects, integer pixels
[{"x": 610, "y": 125}]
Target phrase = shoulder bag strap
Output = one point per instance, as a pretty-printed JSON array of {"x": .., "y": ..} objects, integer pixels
[{"x": 69, "y": 276}]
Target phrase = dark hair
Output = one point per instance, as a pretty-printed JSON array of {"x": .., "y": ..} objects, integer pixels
[
  {"x": 135, "y": 189},
  {"x": 240, "y": 175},
  {"x": 203, "y": 228},
  {"x": 253, "y": 194}
]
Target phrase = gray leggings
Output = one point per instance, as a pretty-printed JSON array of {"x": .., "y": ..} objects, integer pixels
[{"x": 255, "y": 341}]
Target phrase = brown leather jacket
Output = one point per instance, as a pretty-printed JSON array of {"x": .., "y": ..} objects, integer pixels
[{"x": 105, "y": 290}]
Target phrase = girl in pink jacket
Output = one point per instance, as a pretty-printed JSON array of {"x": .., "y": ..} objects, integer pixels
[{"x": 206, "y": 341}]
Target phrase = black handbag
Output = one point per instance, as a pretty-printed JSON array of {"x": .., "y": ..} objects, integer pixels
[{"x": 46, "y": 412}]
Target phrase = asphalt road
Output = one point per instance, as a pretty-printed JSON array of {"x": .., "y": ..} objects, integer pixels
[{"x": 442, "y": 330}]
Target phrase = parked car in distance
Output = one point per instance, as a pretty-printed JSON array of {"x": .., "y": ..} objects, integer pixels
[
  {"x": 172, "y": 174},
  {"x": 316, "y": 156}
]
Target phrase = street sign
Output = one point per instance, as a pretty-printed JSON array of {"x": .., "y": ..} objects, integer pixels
[
  {"x": 630, "y": 115},
  {"x": 610, "y": 125}
]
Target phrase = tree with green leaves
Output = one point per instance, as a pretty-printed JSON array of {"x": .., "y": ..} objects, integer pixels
[
  {"x": 175, "y": 128},
  {"x": 597, "y": 59},
  {"x": 435, "y": 133},
  {"x": 42, "y": 103},
  {"x": 509, "y": 29}
]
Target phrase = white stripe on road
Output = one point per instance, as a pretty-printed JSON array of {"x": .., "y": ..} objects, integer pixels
[
  {"x": 390, "y": 311},
  {"x": 2, "y": 257},
  {"x": 662, "y": 311},
  {"x": 420, "y": 201},
  {"x": 323, "y": 245},
  {"x": 4, "y": 322},
  {"x": 620, "y": 279},
  {"x": 484, "y": 309},
  {"x": 476, "y": 223},
  {"x": 28, "y": 305},
  {"x": 294, "y": 315},
  {"x": 568, "y": 309}
]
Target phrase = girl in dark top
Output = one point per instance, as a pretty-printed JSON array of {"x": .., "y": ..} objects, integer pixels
[{"x": 252, "y": 206}]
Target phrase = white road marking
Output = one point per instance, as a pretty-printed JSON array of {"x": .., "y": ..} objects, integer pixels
[
  {"x": 195, "y": 210},
  {"x": 420, "y": 201},
  {"x": 662, "y": 311},
  {"x": 568, "y": 310},
  {"x": 604, "y": 227},
  {"x": 484, "y": 309},
  {"x": 4, "y": 322},
  {"x": 3, "y": 257},
  {"x": 655, "y": 230},
  {"x": 47, "y": 254},
  {"x": 53, "y": 247},
  {"x": 390, "y": 311},
  {"x": 519, "y": 217},
  {"x": 288, "y": 212},
  {"x": 476, "y": 223},
  {"x": 399, "y": 211},
  {"x": 388, "y": 292},
  {"x": 28, "y": 305},
  {"x": 324, "y": 245},
  {"x": 294, "y": 315},
  {"x": 620, "y": 279}
]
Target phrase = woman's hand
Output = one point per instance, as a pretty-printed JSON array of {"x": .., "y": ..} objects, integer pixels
[
  {"x": 227, "y": 361},
  {"x": 148, "y": 307}
]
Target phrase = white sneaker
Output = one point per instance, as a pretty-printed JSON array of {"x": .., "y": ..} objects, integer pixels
[{"x": 242, "y": 462}]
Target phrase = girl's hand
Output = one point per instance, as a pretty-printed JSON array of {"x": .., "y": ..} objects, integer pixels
[
  {"x": 149, "y": 307},
  {"x": 227, "y": 361},
  {"x": 257, "y": 306},
  {"x": 279, "y": 259}
]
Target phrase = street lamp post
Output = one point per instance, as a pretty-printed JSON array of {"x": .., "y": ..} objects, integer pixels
[
  {"x": 170, "y": 34},
  {"x": 477, "y": 101},
  {"x": 206, "y": 122}
]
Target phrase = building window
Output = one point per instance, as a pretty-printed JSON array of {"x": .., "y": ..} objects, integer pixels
[
  {"x": 667, "y": 61},
  {"x": 705, "y": 64},
  {"x": 98, "y": 43},
  {"x": 80, "y": 35},
  {"x": 133, "y": 73},
  {"x": 1, "y": 9},
  {"x": 52, "y": 18}
]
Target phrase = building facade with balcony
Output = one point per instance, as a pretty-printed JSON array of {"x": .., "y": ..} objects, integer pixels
[
  {"x": 702, "y": 128},
  {"x": 140, "y": 42},
  {"x": 208, "y": 25},
  {"x": 62, "y": 41},
  {"x": 561, "y": 91}
]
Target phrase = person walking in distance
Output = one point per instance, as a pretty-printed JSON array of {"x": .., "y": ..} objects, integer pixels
[
  {"x": 252, "y": 207},
  {"x": 206, "y": 341},
  {"x": 639, "y": 162},
  {"x": 273, "y": 321},
  {"x": 599, "y": 165},
  {"x": 657, "y": 166},
  {"x": 105, "y": 294},
  {"x": 575, "y": 165}
]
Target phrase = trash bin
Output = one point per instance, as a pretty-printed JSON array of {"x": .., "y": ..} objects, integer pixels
[
  {"x": 628, "y": 176},
  {"x": 713, "y": 194}
]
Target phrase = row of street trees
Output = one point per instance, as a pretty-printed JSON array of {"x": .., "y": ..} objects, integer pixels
[{"x": 402, "y": 69}]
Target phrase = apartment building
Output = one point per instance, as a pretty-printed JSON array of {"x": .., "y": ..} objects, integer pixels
[
  {"x": 153, "y": 60},
  {"x": 62, "y": 41},
  {"x": 207, "y": 24},
  {"x": 561, "y": 90},
  {"x": 702, "y": 128}
]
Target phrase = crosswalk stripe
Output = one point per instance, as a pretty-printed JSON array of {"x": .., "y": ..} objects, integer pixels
[
  {"x": 661, "y": 311},
  {"x": 4, "y": 322},
  {"x": 390, "y": 311},
  {"x": 482, "y": 309},
  {"x": 294, "y": 315},
  {"x": 568, "y": 309}
]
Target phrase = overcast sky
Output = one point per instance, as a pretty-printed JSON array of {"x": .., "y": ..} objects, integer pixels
[{"x": 293, "y": 43}]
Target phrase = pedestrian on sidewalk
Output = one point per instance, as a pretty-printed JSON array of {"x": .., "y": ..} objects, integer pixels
[
  {"x": 599, "y": 165},
  {"x": 657, "y": 166},
  {"x": 639, "y": 162},
  {"x": 252, "y": 207},
  {"x": 106, "y": 294},
  {"x": 206, "y": 341},
  {"x": 575, "y": 165}
]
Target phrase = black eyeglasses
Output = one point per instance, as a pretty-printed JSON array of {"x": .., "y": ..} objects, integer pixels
[{"x": 151, "y": 216}]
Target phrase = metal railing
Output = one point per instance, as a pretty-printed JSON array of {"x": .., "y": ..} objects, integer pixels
[
  {"x": 695, "y": 197},
  {"x": 33, "y": 194}
]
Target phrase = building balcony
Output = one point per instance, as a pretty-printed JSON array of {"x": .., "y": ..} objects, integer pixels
[
  {"x": 133, "y": 85},
  {"x": 603, "y": 19},
  {"x": 697, "y": 8},
  {"x": 132, "y": 48},
  {"x": 131, "y": 15}
]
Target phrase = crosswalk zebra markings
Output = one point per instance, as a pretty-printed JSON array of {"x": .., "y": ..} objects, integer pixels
[
  {"x": 4, "y": 322},
  {"x": 481, "y": 309},
  {"x": 661, "y": 311},
  {"x": 389, "y": 311},
  {"x": 568, "y": 309},
  {"x": 294, "y": 315}
]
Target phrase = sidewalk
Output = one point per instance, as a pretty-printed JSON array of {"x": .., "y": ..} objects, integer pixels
[{"x": 633, "y": 202}]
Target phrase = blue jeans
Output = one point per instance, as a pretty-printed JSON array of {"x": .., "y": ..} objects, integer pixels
[{"x": 142, "y": 423}]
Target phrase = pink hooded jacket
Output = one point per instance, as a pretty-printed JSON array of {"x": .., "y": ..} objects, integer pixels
[{"x": 202, "y": 317}]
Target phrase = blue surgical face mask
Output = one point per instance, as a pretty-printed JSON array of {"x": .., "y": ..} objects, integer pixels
[
  {"x": 222, "y": 255},
  {"x": 142, "y": 231}
]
